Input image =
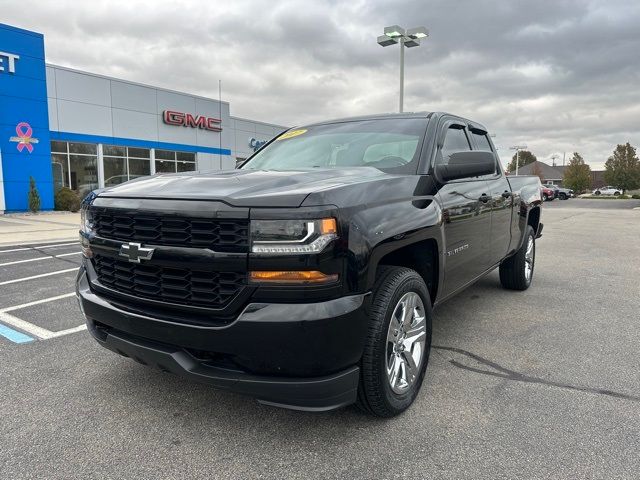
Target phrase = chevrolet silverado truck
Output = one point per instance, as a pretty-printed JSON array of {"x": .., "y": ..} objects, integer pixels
[{"x": 307, "y": 277}]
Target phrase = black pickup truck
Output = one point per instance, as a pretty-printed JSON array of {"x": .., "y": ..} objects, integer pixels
[{"x": 307, "y": 277}]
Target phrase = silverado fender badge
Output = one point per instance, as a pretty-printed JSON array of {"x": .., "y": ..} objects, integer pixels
[{"x": 134, "y": 252}]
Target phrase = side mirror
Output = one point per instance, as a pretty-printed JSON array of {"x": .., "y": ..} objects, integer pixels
[{"x": 466, "y": 164}]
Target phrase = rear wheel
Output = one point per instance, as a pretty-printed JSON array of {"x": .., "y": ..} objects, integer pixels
[
  {"x": 516, "y": 272},
  {"x": 563, "y": 196},
  {"x": 398, "y": 342},
  {"x": 616, "y": 193},
  {"x": 598, "y": 192}
]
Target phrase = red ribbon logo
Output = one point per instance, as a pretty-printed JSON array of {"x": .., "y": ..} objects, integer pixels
[{"x": 24, "y": 138}]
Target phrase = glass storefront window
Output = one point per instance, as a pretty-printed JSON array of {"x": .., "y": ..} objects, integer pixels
[
  {"x": 113, "y": 151},
  {"x": 186, "y": 166},
  {"x": 83, "y": 170},
  {"x": 60, "y": 170},
  {"x": 59, "y": 147},
  {"x": 186, "y": 157},
  {"x": 165, "y": 166},
  {"x": 139, "y": 168},
  {"x": 115, "y": 171},
  {"x": 138, "y": 152},
  {"x": 165, "y": 155},
  {"x": 83, "y": 148},
  {"x": 75, "y": 165}
]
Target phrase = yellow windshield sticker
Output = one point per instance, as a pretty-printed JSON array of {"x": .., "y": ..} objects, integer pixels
[{"x": 291, "y": 134}]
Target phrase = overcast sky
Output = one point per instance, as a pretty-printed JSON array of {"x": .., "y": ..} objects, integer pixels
[{"x": 554, "y": 75}]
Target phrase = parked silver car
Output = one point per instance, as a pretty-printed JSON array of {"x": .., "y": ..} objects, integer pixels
[{"x": 608, "y": 190}]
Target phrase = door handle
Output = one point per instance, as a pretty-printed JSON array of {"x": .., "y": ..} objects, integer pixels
[
  {"x": 506, "y": 194},
  {"x": 484, "y": 198}
]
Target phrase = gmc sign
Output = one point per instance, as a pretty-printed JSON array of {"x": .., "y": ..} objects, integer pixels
[{"x": 187, "y": 120}]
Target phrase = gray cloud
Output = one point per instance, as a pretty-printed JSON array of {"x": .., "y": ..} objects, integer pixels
[{"x": 556, "y": 75}]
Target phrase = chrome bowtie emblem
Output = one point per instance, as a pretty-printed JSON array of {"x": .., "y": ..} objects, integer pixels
[{"x": 134, "y": 252}]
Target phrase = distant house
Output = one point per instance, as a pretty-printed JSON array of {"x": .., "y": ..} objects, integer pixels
[
  {"x": 554, "y": 175},
  {"x": 549, "y": 174}
]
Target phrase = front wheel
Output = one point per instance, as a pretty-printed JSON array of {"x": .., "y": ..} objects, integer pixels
[
  {"x": 545, "y": 197},
  {"x": 516, "y": 272},
  {"x": 616, "y": 193},
  {"x": 398, "y": 342}
]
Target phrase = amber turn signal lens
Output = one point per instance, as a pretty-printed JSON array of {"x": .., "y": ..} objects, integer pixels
[
  {"x": 327, "y": 226},
  {"x": 301, "y": 276}
]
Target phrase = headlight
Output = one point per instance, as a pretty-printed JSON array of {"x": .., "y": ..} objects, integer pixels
[
  {"x": 86, "y": 219},
  {"x": 86, "y": 230},
  {"x": 292, "y": 236}
]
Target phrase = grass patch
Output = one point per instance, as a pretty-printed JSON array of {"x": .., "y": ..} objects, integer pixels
[{"x": 609, "y": 197}]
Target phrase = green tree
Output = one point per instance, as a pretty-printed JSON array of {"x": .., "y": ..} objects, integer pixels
[
  {"x": 34, "y": 196},
  {"x": 525, "y": 158},
  {"x": 622, "y": 169},
  {"x": 577, "y": 175}
]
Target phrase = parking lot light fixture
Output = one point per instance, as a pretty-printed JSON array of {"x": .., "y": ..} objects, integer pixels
[
  {"x": 418, "y": 32},
  {"x": 394, "y": 31},
  {"x": 409, "y": 38}
]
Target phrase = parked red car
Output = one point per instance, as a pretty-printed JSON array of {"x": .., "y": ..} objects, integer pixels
[{"x": 547, "y": 194}]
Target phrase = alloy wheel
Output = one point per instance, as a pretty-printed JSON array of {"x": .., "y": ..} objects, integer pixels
[
  {"x": 406, "y": 340},
  {"x": 529, "y": 258}
]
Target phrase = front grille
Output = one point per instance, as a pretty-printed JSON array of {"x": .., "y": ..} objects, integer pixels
[
  {"x": 167, "y": 284},
  {"x": 157, "y": 229}
]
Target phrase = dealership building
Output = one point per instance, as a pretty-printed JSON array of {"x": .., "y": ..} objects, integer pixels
[{"x": 68, "y": 128}]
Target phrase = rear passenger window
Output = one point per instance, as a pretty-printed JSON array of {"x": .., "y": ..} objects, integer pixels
[
  {"x": 454, "y": 141},
  {"x": 481, "y": 141}
]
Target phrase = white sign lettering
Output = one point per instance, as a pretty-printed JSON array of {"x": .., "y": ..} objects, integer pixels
[{"x": 8, "y": 59}]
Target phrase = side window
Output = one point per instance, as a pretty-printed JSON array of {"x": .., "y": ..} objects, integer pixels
[
  {"x": 481, "y": 141},
  {"x": 455, "y": 140},
  {"x": 482, "y": 144}
]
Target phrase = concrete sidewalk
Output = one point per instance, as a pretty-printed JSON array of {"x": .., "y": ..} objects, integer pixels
[{"x": 27, "y": 228}]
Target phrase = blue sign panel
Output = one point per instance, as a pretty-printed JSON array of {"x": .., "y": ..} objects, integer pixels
[{"x": 24, "y": 119}]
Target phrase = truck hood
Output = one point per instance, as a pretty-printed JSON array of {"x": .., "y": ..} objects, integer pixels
[{"x": 244, "y": 188}]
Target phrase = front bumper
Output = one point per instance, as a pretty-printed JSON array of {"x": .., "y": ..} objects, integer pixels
[{"x": 301, "y": 356}]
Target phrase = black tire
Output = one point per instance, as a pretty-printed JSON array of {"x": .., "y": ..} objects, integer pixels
[
  {"x": 598, "y": 192},
  {"x": 375, "y": 394},
  {"x": 513, "y": 270},
  {"x": 616, "y": 193},
  {"x": 545, "y": 197},
  {"x": 563, "y": 196}
]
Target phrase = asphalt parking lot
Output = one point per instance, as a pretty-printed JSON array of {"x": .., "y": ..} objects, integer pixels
[{"x": 537, "y": 384}]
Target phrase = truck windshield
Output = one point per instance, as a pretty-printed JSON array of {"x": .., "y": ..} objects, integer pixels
[{"x": 391, "y": 145}]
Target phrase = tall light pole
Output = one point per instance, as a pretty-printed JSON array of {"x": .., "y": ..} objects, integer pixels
[
  {"x": 517, "y": 148},
  {"x": 406, "y": 38}
]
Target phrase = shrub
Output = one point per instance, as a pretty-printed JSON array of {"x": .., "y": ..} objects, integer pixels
[
  {"x": 66, "y": 200},
  {"x": 34, "y": 196},
  {"x": 624, "y": 197},
  {"x": 636, "y": 196}
]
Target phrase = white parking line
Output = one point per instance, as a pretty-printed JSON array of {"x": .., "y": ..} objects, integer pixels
[
  {"x": 24, "y": 249},
  {"x": 24, "y": 279},
  {"x": 27, "y": 327},
  {"x": 58, "y": 245},
  {"x": 35, "y": 330},
  {"x": 15, "y": 250},
  {"x": 36, "y": 302},
  {"x": 48, "y": 257},
  {"x": 25, "y": 261}
]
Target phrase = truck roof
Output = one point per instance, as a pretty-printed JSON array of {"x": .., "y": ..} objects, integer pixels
[{"x": 397, "y": 115}]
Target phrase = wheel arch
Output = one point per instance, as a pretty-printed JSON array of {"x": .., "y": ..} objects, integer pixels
[
  {"x": 423, "y": 256},
  {"x": 533, "y": 218}
]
